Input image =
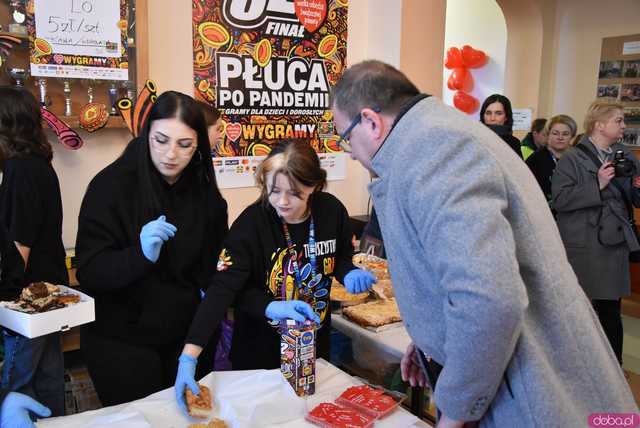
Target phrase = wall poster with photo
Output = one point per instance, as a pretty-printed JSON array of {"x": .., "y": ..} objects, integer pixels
[{"x": 619, "y": 79}]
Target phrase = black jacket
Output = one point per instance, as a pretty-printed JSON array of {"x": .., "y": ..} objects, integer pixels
[
  {"x": 253, "y": 266},
  {"x": 11, "y": 268},
  {"x": 542, "y": 165},
  {"x": 31, "y": 213},
  {"x": 136, "y": 300},
  {"x": 505, "y": 133}
]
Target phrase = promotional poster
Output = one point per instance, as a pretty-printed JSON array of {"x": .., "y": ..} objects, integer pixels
[
  {"x": 78, "y": 38},
  {"x": 269, "y": 66}
]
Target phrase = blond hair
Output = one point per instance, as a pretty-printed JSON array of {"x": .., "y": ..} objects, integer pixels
[
  {"x": 564, "y": 120},
  {"x": 599, "y": 111},
  {"x": 298, "y": 162}
]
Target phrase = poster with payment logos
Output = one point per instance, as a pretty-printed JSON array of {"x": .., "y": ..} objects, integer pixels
[
  {"x": 268, "y": 66},
  {"x": 78, "y": 38}
]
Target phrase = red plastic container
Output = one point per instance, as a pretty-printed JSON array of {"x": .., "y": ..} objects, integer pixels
[
  {"x": 329, "y": 415},
  {"x": 368, "y": 400}
]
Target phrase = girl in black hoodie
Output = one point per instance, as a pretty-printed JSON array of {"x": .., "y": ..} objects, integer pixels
[
  {"x": 277, "y": 264},
  {"x": 149, "y": 231}
]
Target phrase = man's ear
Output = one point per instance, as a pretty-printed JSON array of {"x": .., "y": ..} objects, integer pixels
[{"x": 373, "y": 122}]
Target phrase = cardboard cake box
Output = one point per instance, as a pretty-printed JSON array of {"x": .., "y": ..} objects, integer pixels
[{"x": 39, "y": 324}]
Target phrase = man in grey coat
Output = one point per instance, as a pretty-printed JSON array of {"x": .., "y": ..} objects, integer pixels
[{"x": 479, "y": 270}]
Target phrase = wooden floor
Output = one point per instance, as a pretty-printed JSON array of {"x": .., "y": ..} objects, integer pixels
[{"x": 634, "y": 383}]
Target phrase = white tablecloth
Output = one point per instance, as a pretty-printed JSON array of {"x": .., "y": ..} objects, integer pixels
[{"x": 255, "y": 398}]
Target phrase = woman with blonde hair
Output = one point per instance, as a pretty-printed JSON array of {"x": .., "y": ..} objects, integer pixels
[
  {"x": 559, "y": 130},
  {"x": 276, "y": 264},
  {"x": 594, "y": 188}
]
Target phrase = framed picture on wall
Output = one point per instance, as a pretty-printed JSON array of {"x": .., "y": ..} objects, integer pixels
[
  {"x": 609, "y": 91},
  {"x": 631, "y": 137},
  {"x": 610, "y": 69},
  {"x": 630, "y": 92},
  {"x": 632, "y": 115},
  {"x": 631, "y": 69}
]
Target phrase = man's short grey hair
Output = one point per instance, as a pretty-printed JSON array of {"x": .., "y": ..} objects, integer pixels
[{"x": 372, "y": 84}]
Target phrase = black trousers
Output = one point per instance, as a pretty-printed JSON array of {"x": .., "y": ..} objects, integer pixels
[
  {"x": 610, "y": 315},
  {"x": 122, "y": 371}
]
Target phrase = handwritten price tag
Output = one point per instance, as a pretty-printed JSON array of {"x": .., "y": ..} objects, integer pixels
[{"x": 80, "y": 27}]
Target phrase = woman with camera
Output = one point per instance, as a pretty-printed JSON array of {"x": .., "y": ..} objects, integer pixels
[{"x": 593, "y": 190}]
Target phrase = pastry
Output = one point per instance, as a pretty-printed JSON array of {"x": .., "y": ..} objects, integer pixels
[
  {"x": 67, "y": 298},
  {"x": 39, "y": 295},
  {"x": 383, "y": 289},
  {"x": 340, "y": 294},
  {"x": 373, "y": 264},
  {"x": 213, "y": 423},
  {"x": 374, "y": 314},
  {"x": 199, "y": 406}
]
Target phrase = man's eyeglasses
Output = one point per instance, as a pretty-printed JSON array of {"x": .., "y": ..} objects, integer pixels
[{"x": 344, "y": 137}]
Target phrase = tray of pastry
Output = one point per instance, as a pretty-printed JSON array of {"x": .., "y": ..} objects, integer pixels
[
  {"x": 377, "y": 315},
  {"x": 44, "y": 308}
]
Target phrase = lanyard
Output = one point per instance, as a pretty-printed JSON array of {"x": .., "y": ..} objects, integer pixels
[{"x": 294, "y": 258}]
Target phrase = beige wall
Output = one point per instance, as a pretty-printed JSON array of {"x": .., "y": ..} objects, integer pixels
[
  {"x": 422, "y": 43},
  {"x": 572, "y": 51}
]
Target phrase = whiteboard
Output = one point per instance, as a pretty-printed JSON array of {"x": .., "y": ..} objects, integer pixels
[{"x": 80, "y": 27}]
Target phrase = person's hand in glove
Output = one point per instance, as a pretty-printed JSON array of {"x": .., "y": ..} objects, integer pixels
[
  {"x": 186, "y": 379},
  {"x": 153, "y": 235},
  {"x": 14, "y": 412},
  {"x": 359, "y": 281},
  {"x": 291, "y": 309}
]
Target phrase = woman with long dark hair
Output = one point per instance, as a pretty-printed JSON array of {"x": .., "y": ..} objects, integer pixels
[
  {"x": 31, "y": 213},
  {"x": 497, "y": 114},
  {"x": 150, "y": 228}
]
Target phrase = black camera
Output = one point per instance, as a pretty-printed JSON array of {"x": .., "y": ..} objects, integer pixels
[{"x": 623, "y": 166}]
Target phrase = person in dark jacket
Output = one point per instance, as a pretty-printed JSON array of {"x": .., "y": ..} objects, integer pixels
[
  {"x": 497, "y": 114},
  {"x": 31, "y": 213},
  {"x": 277, "y": 264},
  {"x": 560, "y": 130},
  {"x": 150, "y": 227},
  {"x": 535, "y": 139},
  {"x": 593, "y": 204}
]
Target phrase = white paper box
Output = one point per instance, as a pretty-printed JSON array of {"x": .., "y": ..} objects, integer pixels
[{"x": 36, "y": 325}]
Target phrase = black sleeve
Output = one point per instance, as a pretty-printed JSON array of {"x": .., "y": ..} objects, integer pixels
[
  {"x": 27, "y": 207},
  {"x": 220, "y": 230},
  {"x": 102, "y": 264},
  {"x": 3, "y": 394},
  {"x": 11, "y": 268},
  {"x": 344, "y": 253},
  {"x": 234, "y": 270}
]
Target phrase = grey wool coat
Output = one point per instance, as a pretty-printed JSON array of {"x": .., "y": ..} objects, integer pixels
[
  {"x": 593, "y": 223},
  {"x": 483, "y": 281}
]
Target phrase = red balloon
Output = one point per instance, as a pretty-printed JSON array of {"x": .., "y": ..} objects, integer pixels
[
  {"x": 465, "y": 102},
  {"x": 454, "y": 58},
  {"x": 461, "y": 80},
  {"x": 473, "y": 58}
]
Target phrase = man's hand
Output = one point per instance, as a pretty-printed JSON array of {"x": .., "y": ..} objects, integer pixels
[
  {"x": 446, "y": 422},
  {"x": 636, "y": 182},
  {"x": 410, "y": 367}
]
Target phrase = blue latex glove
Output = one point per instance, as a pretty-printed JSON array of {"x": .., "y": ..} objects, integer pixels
[
  {"x": 186, "y": 379},
  {"x": 153, "y": 235},
  {"x": 14, "y": 412},
  {"x": 359, "y": 281},
  {"x": 291, "y": 309}
]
